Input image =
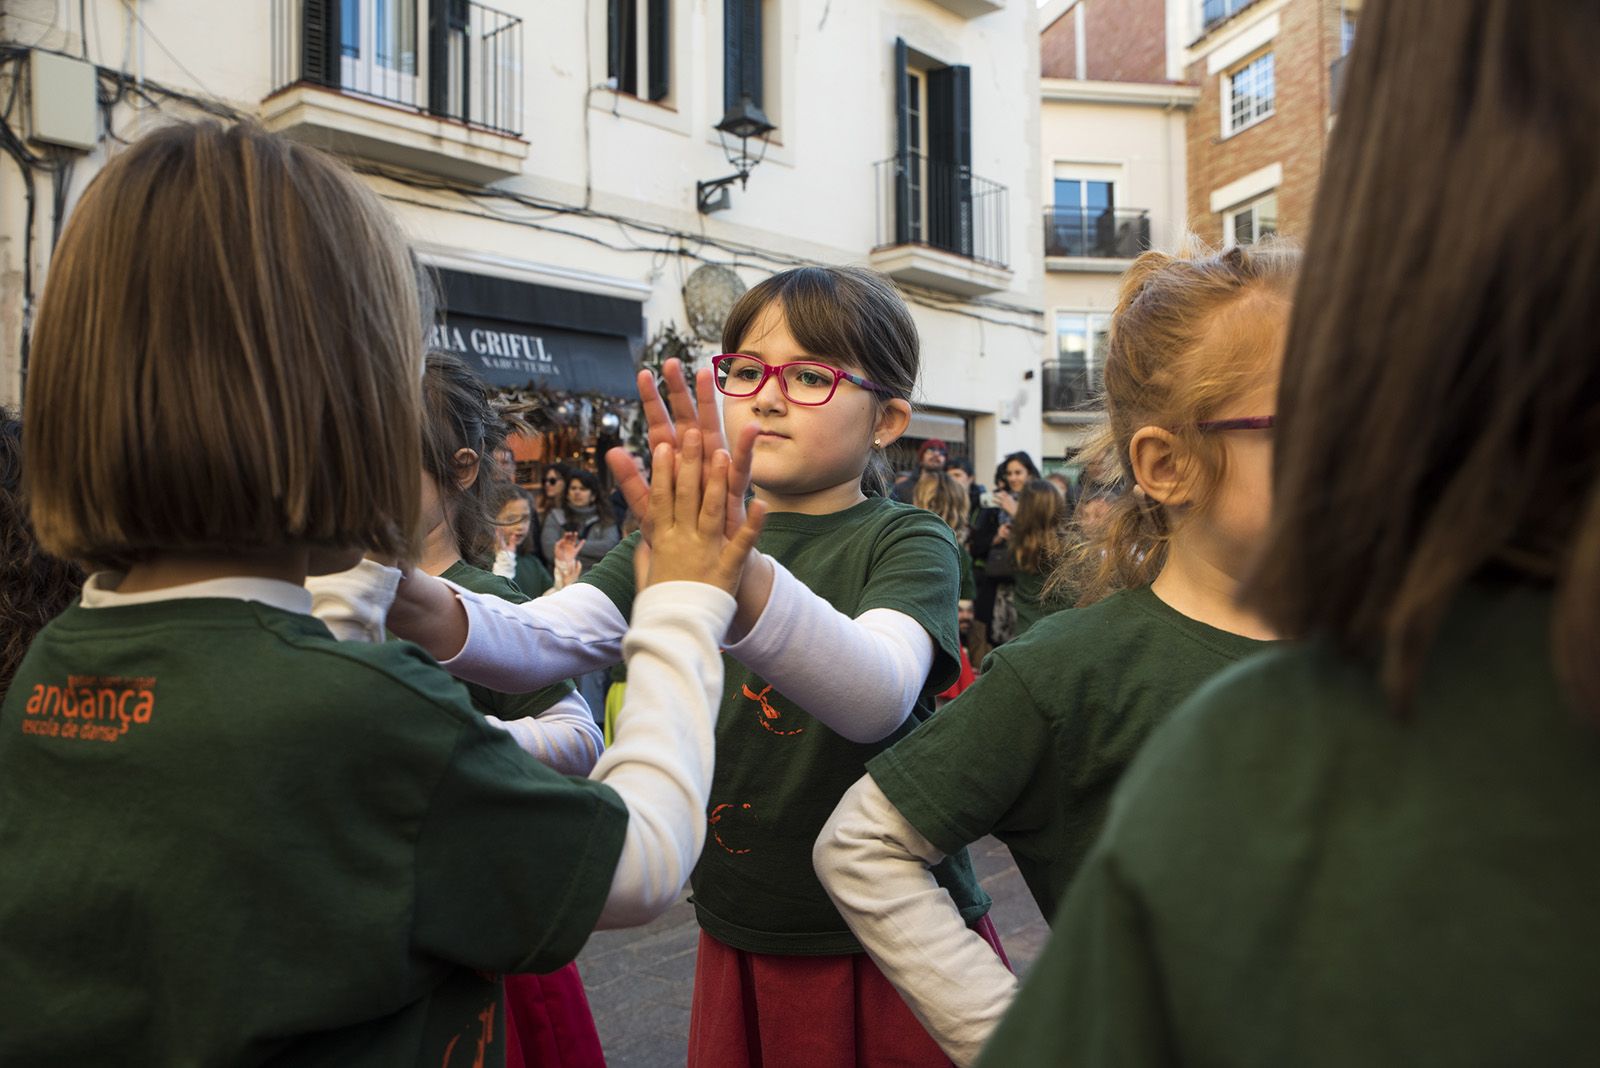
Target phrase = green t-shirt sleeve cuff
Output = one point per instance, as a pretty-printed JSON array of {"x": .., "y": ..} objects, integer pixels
[{"x": 917, "y": 805}]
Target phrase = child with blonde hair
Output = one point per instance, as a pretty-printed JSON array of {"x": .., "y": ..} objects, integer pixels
[
  {"x": 1031, "y": 752},
  {"x": 229, "y": 837}
]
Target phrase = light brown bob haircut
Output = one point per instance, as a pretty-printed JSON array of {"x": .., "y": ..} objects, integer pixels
[
  {"x": 1192, "y": 332},
  {"x": 227, "y": 358},
  {"x": 942, "y": 495},
  {"x": 1447, "y": 329}
]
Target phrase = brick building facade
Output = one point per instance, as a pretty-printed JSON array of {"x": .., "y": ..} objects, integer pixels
[
  {"x": 1255, "y": 156},
  {"x": 1264, "y": 70}
]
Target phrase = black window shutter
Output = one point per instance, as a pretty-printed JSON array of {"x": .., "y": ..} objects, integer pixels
[
  {"x": 902, "y": 144},
  {"x": 950, "y": 159},
  {"x": 659, "y": 47},
  {"x": 658, "y": 24},
  {"x": 319, "y": 42},
  {"x": 741, "y": 42},
  {"x": 622, "y": 53}
]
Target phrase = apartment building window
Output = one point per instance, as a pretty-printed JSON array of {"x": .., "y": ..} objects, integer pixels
[
  {"x": 933, "y": 154},
  {"x": 639, "y": 47},
  {"x": 1078, "y": 377},
  {"x": 1248, "y": 223},
  {"x": 1215, "y": 11},
  {"x": 1251, "y": 94}
]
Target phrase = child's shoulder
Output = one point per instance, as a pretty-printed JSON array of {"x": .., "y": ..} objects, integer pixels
[{"x": 488, "y": 583}]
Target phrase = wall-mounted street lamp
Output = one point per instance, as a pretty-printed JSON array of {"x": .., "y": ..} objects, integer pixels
[{"x": 744, "y": 121}]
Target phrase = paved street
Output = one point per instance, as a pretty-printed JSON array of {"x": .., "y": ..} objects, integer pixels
[{"x": 639, "y": 981}]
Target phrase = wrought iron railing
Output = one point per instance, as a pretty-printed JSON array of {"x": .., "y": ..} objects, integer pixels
[
  {"x": 449, "y": 58},
  {"x": 1069, "y": 387},
  {"x": 1118, "y": 235},
  {"x": 942, "y": 205}
]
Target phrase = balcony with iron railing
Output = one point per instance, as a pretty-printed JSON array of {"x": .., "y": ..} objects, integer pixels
[
  {"x": 1101, "y": 236},
  {"x": 432, "y": 85},
  {"x": 939, "y": 225}
]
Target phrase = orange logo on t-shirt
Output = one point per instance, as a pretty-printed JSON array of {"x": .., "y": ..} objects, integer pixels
[
  {"x": 721, "y": 812},
  {"x": 92, "y": 708},
  {"x": 769, "y": 715}
]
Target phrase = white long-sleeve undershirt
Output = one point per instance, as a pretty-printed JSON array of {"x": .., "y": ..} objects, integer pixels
[
  {"x": 860, "y": 677},
  {"x": 876, "y": 868},
  {"x": 563, "y": 737},
  {"x": 661, "y": 761}
]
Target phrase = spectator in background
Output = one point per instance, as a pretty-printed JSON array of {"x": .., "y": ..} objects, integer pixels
[
  {"x": 930, "y": 461},
  {"x": 546, "y": 499},
  {"x": 991, "y": 531},
  {"x": 960, "y": 469}
]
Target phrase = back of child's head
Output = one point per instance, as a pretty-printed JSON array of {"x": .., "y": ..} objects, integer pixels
[
  {"x": 456, "y": 416},
  {"x": 942, "y": 495},
  {"x": 1038, "y": 529},
  {"x": 1192, "y": 332},
  {"x": 226, "y": 357},
  {"x": 849, "y": 315},
  {"x": 34, "y": 587},
  {"x": 1441, "y": 382}
]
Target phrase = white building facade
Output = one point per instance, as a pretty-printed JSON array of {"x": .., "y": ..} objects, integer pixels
[
  {"x": 548, "y": 157},
  {"x": 1112, "y": 171}
]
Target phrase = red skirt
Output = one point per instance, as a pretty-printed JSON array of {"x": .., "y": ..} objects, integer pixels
[
  {"x": 760, "y": 1010},
  {"x": 548, "y": 1023}
]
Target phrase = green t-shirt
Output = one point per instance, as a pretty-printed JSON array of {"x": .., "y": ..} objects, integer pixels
[
  {"x": 1031, "y": 751},
  {"x": 230, "y": 839},
  {"x": 1293, "y": 874},
  {"x": 969, "y": 585},
  {"x": 779, "y": 772},
  {"x": 533, "y": 578},
  {"x": 1029, "y": 599},
  {"x": 505, "y": 706}
]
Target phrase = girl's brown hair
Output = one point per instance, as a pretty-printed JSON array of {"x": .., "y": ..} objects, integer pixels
[
  {"x": 1191, "y": 333},
  {"x": 1038, "y": 529},
  {"x": 456, "y": 415},
  {"x": 1447, "y": 328},
  {"x": 227, "y": 357},
  {"x": 849, "y": 314},
  {"x": 946, "y": 498}
]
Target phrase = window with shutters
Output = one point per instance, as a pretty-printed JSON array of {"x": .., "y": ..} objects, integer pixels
[
  {"x": 452, "y": 58},
  {"x": 933, "y": 152},
  {"x": 639, "y": 47}
]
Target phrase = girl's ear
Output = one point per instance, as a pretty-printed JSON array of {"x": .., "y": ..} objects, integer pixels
[
  {"x": 1157, "y": 459},
  {"x": 466, "y": 464},
  {"x": 893, "y": 418}
]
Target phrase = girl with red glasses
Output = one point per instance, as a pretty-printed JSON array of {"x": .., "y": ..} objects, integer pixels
[
  {"x": 1195, "y": 346},
  {"x": 844, "y": 632}
]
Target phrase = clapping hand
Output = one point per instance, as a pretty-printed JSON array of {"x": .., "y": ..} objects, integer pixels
[
  {"x": 669, "y": 422},
  {"x": 688, "y": 502}
]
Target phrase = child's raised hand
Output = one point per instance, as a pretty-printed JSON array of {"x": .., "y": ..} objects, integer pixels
[
  {"x": 668, "y": 427},
  {"x": 689, "y": 504}
]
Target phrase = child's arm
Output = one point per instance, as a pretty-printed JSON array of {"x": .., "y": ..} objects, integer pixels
[
  {"x": 563, "y": 737},
  {"x": 661, "y": 761},
  {"x": 513, "y": 648},
  {"x": 875, "y": 866}
]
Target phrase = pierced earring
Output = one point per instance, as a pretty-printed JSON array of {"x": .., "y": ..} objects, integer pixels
[{"x": 876, "y": 443}]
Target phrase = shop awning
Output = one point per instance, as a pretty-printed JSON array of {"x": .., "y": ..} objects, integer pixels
[
  {"x": 518, "y": 355},
  {"x": 519, "y": 334}
]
